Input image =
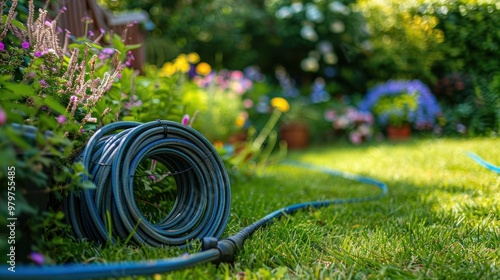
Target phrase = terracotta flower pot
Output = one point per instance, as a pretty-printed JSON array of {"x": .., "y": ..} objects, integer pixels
[
  {"x": 398, "y": 132},
  {"x": 296, "y": 135}
]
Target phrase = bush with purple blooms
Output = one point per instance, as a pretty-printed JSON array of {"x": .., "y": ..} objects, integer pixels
[{"x": 399, "y": 102}]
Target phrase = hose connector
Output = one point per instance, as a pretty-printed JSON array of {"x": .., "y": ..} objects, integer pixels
[{"x": 228, "y": 248}]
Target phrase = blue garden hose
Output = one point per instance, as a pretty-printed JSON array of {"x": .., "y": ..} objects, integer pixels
[
  {"x": 483, "y": 163},
  {"x": 200, "y": 212},
  {"x": 112, "y": 156}
]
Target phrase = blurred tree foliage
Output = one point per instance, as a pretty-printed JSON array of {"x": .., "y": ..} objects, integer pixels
[
  {"x": 471, "y": 35},
  {"x": 405, "y": 42},
  {"x": 310, "y": 38},
  {"x": 348, "y": 42}
]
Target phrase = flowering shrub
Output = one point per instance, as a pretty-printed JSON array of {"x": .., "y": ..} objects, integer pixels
[
  {"x": 355, "y": 124},
  {"x": 222, "y": 113},
  {"x": 51, "y": 97},
  {"x": 398, "y": 102}
]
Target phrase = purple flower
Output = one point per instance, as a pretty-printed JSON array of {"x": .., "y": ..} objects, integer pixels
[
  {"x": 2, "y": 46},
  {"x": 3, "y": 116},
  {"x": 38, "y": 53},
  {"x": 25, "y": 45},
  {"x": 37, "y": 258},
  {"x": 108, "y": 51},
  {"x": 427, "y": 106},
  {"x": 185, "y": 119},
  {"x": 43, "y": 83},
  {"x": 48, "y": 23},
  {"x": 61, "y": 119},
  {"x": 152, "y": 177},
  {"x": 91, "y": 33}
]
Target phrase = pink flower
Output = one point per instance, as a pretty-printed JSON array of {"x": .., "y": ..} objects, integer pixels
[
  {"x": 25, "y": 45},
  {"x": 330, "y": 115},
  {"x": 237, "y": 75},
  {"x": 185, "y": 119},
  {"x": 248, "y": 103},
  {"x": 355, "y": 137},
  {"x": 3, "y": 116},
  {"x": 2, "y": 46},
  {"x": 91, "y": 33},
  {"x": 48, "y": 23},
  {"x": 61, "y": 119}
]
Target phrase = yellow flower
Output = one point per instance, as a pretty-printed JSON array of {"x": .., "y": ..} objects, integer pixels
[
  {"x": 181, "y": 63},
  {"x": 280, "y": 104},
  {"x": 203, "y": 68},
  {"x": 167, "y": 70},
  {"x": 240, "y": 121},
  {"x": 193, "y": 58}
]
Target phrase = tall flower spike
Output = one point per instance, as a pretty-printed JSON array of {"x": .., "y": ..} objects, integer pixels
[
  {"x": 10, "y": 17},
  {"x": 31, "y": 18}
]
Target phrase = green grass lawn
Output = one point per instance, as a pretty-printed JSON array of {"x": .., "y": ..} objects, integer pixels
[{"x": 440, "y": 220}]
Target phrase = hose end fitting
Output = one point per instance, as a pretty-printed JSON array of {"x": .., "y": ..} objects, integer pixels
[{"x": 227, "y": 248}]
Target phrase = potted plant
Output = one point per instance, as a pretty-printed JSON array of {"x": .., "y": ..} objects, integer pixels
[
  {"x": 295, "y": 126},
  {"x": 400, "y": 105}
]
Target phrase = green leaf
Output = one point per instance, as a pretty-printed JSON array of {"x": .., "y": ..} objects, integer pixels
[
  {"x": 14, "y": 22},
  {"x": 132, "y": 47},
  {"x": 13, "y": 91},
  {"x": 53, "y": 104},
  {"x": 118, "y": 44}
]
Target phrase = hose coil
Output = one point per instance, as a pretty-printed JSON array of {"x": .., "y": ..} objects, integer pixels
[{"x": 112, "y": 155}]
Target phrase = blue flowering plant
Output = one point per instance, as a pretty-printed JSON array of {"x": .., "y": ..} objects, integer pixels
[{"x": 402, "y": 102}]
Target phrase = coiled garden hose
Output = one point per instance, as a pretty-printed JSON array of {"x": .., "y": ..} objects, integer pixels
[
  {"x": 200, "y": 212},
  {"x": 112, "y": 156}
]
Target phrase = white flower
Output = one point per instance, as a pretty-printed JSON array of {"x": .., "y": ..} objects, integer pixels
[
  {"x": 309, "y": 64},
  {"x": 283, "y": 12},
  {"x": 307, "y": 32}
]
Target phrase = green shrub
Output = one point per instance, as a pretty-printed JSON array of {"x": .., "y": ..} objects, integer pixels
[
  {"x": 475, "y": 112},
  {"x": 405, "y": 43},
  {"x": 471, "y": 36}
]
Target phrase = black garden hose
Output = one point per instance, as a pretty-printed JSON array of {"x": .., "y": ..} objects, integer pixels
[{"x": 112, "y": 156}]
